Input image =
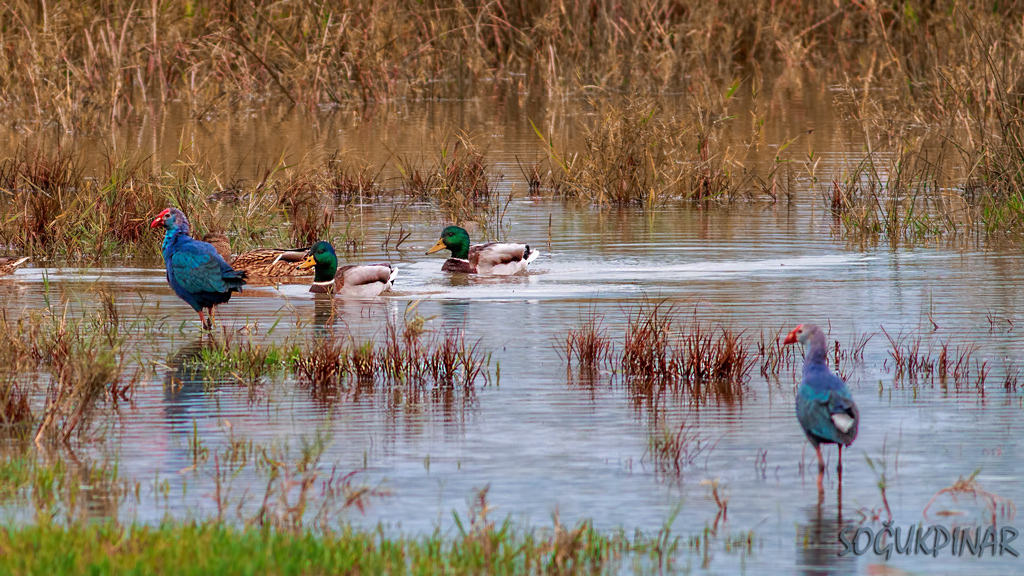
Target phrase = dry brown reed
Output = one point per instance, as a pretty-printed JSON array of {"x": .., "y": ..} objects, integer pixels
[
  {"x": 911, "y": 359},
  {"x": 635, "y": 153},
  {"x": 943, "y": 137},
  {"x": 104, "y": 60},
  {"x": 459, "y": 180},
  {"x": 707, "y": 362},
  {"x": 408, "y": 360},
  {"x": 50, "y": 207},
  {"x": 588, "y": 345},
  {"x": 663, "y": 352}
]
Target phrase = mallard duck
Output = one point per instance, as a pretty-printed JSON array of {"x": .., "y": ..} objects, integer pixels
[
  {"x": 262, "y": 262},
  {"x": 361, "y": 281},
  {"x": 498, "y": 258},
  {"x": 9, "y": 265}
]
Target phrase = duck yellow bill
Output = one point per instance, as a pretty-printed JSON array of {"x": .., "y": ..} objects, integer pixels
[
  {"x": 439, "y": 246},
  {"x": 307, "y": 262}
]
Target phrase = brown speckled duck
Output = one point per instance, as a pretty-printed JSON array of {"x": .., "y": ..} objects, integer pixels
[
  {"x": 262, "y": 262},
  {"x": 497, "y": 258},
  {"x": 9, "y": 265}
]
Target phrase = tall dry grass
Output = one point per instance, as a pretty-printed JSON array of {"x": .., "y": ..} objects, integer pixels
[{"x": 103, "y": 60}]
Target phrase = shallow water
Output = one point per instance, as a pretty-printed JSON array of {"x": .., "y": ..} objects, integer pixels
[{"x": 548, "y": 444}]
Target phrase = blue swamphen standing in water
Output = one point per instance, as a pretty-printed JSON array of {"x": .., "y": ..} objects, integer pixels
[
  {"x": 824, "y": 406},
  {"x": 195, "y": 271}
]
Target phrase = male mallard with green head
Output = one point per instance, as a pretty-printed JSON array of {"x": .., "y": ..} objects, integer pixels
[
  {"x": 498, "y": 258},
  {"x": 361, "y": 281},
  {"x": 262, "y": 262},
  {"x": 9, "y": 265}
]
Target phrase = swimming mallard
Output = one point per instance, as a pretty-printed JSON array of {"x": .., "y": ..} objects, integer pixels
[
  {"x": 361, "y": 281},
  {"x": 262, "y": 262},
  {"x": 498, "y": 258},
  {"x": 9, "y": 265}
]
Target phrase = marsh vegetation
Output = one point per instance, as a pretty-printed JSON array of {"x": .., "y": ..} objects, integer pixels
[{"x": 698, "y": 178}]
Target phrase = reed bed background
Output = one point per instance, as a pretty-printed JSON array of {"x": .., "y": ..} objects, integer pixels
[
  {"x": 63, "y": 61},
  {"x": 934, "y": 87}
]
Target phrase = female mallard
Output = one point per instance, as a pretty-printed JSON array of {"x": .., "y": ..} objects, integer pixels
[
  {"x": 9, "y": 265},
  {"x": 262, "y": 262},
  {"x": 498, "y": 258},
  {"x": 363, "y": 281}
]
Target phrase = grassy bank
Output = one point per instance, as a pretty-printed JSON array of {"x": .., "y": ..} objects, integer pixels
[{"x": 209, "y": 548}]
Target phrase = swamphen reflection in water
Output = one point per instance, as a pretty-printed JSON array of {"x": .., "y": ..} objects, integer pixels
[
  {"x": 195, "y": 271},
  {"x": 824, "y": 405}
]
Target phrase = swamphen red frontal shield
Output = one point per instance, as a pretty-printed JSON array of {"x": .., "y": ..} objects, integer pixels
[
  {"x": 824, "y": 405},
  {"x": 195, "y": 271}
]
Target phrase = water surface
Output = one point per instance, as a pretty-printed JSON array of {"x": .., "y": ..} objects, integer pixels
[{"x": 548, "y": 444}]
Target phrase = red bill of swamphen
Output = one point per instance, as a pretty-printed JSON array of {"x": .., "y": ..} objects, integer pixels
[
  {"x": 195, "y": 271},
  {"x": 824, "y": 405}
]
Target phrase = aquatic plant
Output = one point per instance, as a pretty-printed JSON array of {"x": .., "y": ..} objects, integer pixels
[
  {"x": 673, "y": 448},
  {"x": 707, "y": 362},
  {"x": 773, "y": 354},
  {"x": 84, "y": 360},
  {"x": 909, "y": 360},
  {"x": 995, "y": 506},
  {"x": 588, "y": 345}
]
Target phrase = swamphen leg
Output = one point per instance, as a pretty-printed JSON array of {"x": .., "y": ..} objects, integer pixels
[
  {"x": 839, "y": 468},
  {"x": 207, "y": 325},
  {"x": 821, "y": 461}
]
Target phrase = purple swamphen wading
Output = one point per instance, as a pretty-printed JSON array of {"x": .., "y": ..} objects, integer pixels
[
  {"x": 195, "y": 271},
  {"x": 824, "y": 405}
]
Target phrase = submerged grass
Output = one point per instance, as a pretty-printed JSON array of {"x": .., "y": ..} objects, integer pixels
[
  {"x": 915, "y": 361},
  {"x": 588, "y": 345},
  {"x": 673, "y": 448},
  {"x": 70, "y": 363}
]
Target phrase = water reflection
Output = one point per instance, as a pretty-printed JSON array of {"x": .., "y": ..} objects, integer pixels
[
  {"x": 186, "y": 380},
  {"x": 323, "y": 314},
  {"x": 818, "y": 540},
  {"x": 547, "y": 445},
  {"x": 99, "y": 493}
]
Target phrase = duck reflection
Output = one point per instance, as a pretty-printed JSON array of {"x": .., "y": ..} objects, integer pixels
[{"x": 324, "y": 314}]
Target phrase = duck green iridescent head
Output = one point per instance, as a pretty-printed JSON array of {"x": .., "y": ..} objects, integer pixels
[
  {"x": 323, "y": 257},
  {"x": 454, "y": 239}
]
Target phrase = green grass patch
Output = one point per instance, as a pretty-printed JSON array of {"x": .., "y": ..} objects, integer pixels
[{"x": 216, "y": 548}]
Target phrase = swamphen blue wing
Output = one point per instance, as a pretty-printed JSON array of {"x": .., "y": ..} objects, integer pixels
[
  {"x": 824, "y": 406},
  {"x": 195, "y": 271}
]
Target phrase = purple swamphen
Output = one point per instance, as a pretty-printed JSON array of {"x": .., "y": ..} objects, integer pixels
[
  {"x": 824, "y": 405},
  {"x": 195, "y": 271}
]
